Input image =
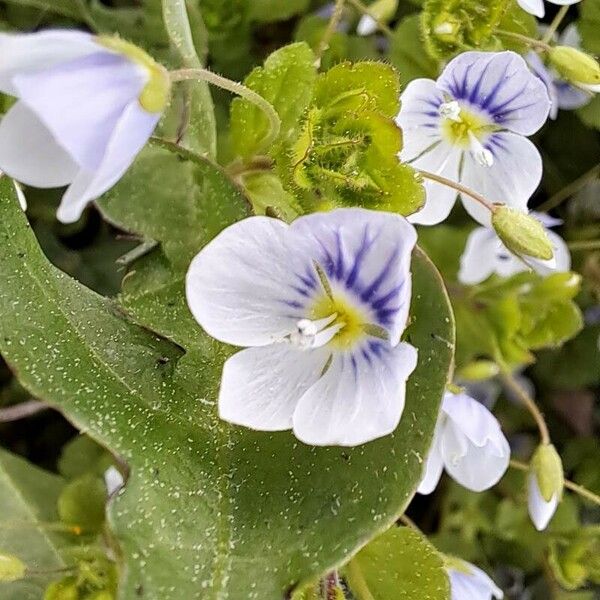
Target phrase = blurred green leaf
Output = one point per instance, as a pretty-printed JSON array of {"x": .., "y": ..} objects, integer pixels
[
  {"x": 276, "y": 10},
  {"x": 589, "y": 25},
  {"x": 81, "y": 503}
]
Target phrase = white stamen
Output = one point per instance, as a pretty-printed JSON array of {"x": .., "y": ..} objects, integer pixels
[
  {"x": 314, "y": 334},
  {"x": 451, "y": 110},
  {"x": 482, "y": 155}
]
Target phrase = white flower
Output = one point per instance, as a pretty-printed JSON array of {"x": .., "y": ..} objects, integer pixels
[
  {"x": 113, "y": 480},
  {"x": 470, "y": 127},
  {"x": 468, "y": 582},
  {"x": 86, "y": 106},
  {"x": 485, "y": 254},
  {"x": 540, "y": 510},
  {"x": 536, "y": 7},
  {"x": 321, "y": 305},
  {"x": 468, "y": 443},
  {"x": 366, "y": 25},
  {"x": 562, "y": 94}
]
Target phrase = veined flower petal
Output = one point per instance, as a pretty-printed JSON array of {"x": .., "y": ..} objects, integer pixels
[
  {"x": 261, "y": 387},
  {"x": 128, "y": 137},
  {"x": 358, "y": 399},
  {"x": 500, "y": 85},
  {"x": 540, "y": 511},
  {"x": 33, "y": 52},
  {"x": 93, "y": 91},
  {"x": 33, "y": 158}
]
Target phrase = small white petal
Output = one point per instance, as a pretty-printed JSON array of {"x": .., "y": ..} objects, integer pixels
[
  {"x": 540, "y": 511},
  {"x": 475, "y": 451},
  {"x": 366, "y": 26},
  {"x": 358, "y": 400},
  {"x": 478, "y": 261},
  {"x": 29, "y": 153},
  {"x": 474, "y": 585},
  {"x": 113, "y": 480},
  {"x": 30, "y": 52},
  {"x": 534, "y": 7},
  {"x": 82, "y": 101},
  {"x": 128, "y": 138},
  {"x": 434, "y": 464},
  {"x": 260, "y": 387},
  {"x": 20, "y": 195}
]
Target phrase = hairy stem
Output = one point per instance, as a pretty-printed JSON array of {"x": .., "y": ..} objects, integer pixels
[
  {"x": 560, "y": 15},
  {"x": 365, "y": 11},
  {"x": 533, "y": 43},
  {"x": 21, "y": 411},
  {"x": 234, "y": 87},
  {"x": 332, "y": 26}
]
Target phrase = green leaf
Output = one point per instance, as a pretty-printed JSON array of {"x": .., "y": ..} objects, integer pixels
[
  {"x": 276, "y": 10},
  {"x": 82, "y": 455},
  {"x": 407, "y": 52},
  {"x": 589, "y": 25},
  {"x": 205, "y": 493},
  {"x": 66, "y": 8},
  {"x": 81, "y": 503},
  {"x": 590, "y": 113},
  {"x": 286, "y": 80},
  {"x": 27, "y": 507},
  {"x": 453, "y": 26},
  {"x": 398, "y": 565},
  {"x": 517, "y": 20},
  {"x": 268, "y": 196}
]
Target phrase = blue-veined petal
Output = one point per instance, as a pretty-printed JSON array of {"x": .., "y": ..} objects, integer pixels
[
  {"x": 511, "y": 179},
  {"x": 359, "y": 398},
  {"x": 30, "y": 52},
  {"x": 367, "y": 255},
  {"x": 261, "y": 387},
  {"x": 500, "y": 85},
  {"x": 82, "y": 101},
  {"x": 128, "y": 137},
  {"x": 29, "y": 153},
  {"x": 541, "y": 71}
]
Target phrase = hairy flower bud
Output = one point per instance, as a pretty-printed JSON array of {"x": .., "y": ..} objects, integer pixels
[
  {"x": 546, "y": 467},
  {"x": 521, "y": 233},
  {"x": 576, "y": 67}
]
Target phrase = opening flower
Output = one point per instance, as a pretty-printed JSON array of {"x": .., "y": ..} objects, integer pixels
[
  {"x": 470, "y": 126},
  {"x": 485, "y": 254},
  {"x": 540, "y": 510},
  {"x": 86, "y": 106},
  {"x": 536, "y": 7},
  {"x": 468, "y": 582},
  {"x": 562, "y": 94},
  {"x": 468, "y": 443},
  {"x": 320, "y": 305}
]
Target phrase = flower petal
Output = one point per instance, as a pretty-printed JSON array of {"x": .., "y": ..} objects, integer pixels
[
  {"x": 434, "y": 464},
  {"x": 500, "y": 85},
  {"x": 30, "y": 52},
  {"x": 82, "y": 101},
  {"x": 419, "y": 117},
  {"x": 534, "y": 7},
  {"x": 365, "y": 254},
  {"x": 478, "y": 260},
  {"x": 511, "y": 180},
  {"x": 540, "y": 511},
  {"x": 249, "y": 285},
  {"x": 128, "y": 138},
  {"x": 260, "y": 387},
  {"x": 358, "y": 399},
  {"x": 540, "y": 70},
  {"x": 474, "y": 585},
  {"x": 28, "y": 152}
]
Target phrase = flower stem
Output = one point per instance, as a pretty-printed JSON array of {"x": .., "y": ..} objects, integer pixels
[
  {"x": 365, "y": 11},
  {"x": 524, "y": 39},
  {"x": 358, "y": 582},
  {"x": 530, "y": 404},
  {"x": 234, "y": 87},
  {"x": 560, "y": 15},
  {"x": 459, "y": 188},
  {"x": 332, "y": 26},
  {"x": 22, "y": 410},
  {"x": 584, "y": 245},
  {"x": 574, "y": 487},
  {"x": 569, "y": 189},
  {"x": 405, "y": 520}
]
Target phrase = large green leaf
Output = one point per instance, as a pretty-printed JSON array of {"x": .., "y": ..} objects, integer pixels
[
  {"x": 398, "y": 565},
  {"x": 209, "y": 510},
  {"x": 28, "y": 498}
]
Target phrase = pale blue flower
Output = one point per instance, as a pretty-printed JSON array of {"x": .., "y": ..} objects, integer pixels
[
  {"x": 80, "y": 118},
  {"x": 320, "y": 306},
  {"x": 470, "y": 126}
]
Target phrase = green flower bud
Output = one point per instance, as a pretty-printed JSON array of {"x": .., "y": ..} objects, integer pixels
[
  {"x": 546, "y": 466},
  {"x": 65, "y": 589},
  {"x": 478, "y": 370},
  {"x": 11, "y": 568},
  {"x": 521, "y": 233},
  {"x": 446, "y": 27},
  {"x": 384, "y": 10},
  {"x": 575, "y": 66}
]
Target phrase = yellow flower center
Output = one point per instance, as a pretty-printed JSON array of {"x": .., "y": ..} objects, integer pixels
[
  {"x": 155, "y": 95},
  {"x": 459, "y": 128}
]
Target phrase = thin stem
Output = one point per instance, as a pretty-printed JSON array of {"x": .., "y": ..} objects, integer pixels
[
  {"x": 571, "y": 485},
  {"x": 365, "y": 11},
  {"x": 459, "y": 188},
  {"x": 530, "y": 404},
  {"x": 358, "y": 582},
  {"x": 524, "y": 40},
  {"x": 584, "y": 245},
  {"x": 22, "y": 410},
  {"x": 406, "y": 520},
  {"x": 176, "y": 148},
  {"x": 332, "y": 26},
  {"x": 560, "y": 15},
  {"x": 235, "y": 88},
  {"x": 569, "y": 189}
]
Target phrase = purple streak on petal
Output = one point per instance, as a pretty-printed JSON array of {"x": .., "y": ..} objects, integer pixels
[
  {"x": 367, "y": 294},
  {"x": 366, "y": 243}
]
